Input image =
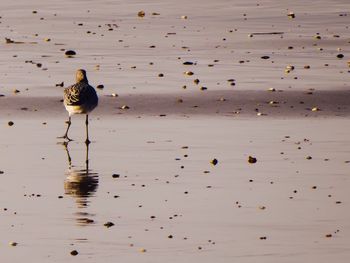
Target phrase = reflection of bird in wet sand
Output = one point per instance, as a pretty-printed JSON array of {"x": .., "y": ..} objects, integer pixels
[
  {"x": 80, "y": 183},
  {"x": 80, "y": 98}
]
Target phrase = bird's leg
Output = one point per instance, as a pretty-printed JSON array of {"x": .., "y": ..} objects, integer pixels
[
  {"x": 87, "y": 158},
  {"x": 65, "y": 136},
  {"x": 65, "y": 144},
  {"x": 87, "y": 141}
]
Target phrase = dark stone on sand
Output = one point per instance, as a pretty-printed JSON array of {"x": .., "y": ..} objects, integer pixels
[
  {"x": 108, "y": 224},
  {"x": 214, "y": 161},
  {"x": 70, "y": 53},
  {"x": 252, "y": 159}
]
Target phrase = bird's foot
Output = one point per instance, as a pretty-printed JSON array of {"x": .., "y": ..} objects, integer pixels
[{"x": 65, "y": 137}]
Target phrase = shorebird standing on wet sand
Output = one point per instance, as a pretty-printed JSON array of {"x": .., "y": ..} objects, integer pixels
[{"x": 80, "y": 98}]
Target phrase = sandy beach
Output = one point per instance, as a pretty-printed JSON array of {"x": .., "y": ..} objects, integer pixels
[{"x": 221, "y": 132}]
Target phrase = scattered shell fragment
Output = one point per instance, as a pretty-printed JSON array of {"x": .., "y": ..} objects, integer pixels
[
  {"x": 308, "y": 157},
  {"x": 188, "y": 73},
  {"x": 16, "y": 91},
  {"x": 125, "y": 107},
  {"x": 252, "y": 159},
  {"x": 196, "y": 81},
  {"x": 289, "y": 68},
  {"x": 271, "y": 89},
  {"x": 9, "y": 40},
  {"x": 184, "y": 17},
  {"x": 141, "y": 13},
  {"x": 291, "y": 15},
  {"x": 13, "y": 244},
  {"x": 142, "y": 250},
  {"x": 315, "y": 109}
]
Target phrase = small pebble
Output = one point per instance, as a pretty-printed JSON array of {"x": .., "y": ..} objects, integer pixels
[
  {"x": 141, "y": 13},
  {"x": 74, "y": 253},
  {"x": 188, "y": 73},
  {"x": 291, "y": 15},
  {"x": 214, "y": 161},
  {"x": 70, "y": 53},
  {"x": 108, "y": 224},
  {"x": 252, "y": 159}
]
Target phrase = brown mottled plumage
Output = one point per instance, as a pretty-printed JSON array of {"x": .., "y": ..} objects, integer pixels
[{"x": 80, "y": 98}]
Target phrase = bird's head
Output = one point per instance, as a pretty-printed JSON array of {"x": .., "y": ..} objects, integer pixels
[{"x": 81, "y": 76}]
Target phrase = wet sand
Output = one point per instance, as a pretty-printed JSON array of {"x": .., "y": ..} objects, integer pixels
[
  {"x": 165, "y": 186},
  {"x": 192, "y": 92},
  {"x": 278, "y": 104}
]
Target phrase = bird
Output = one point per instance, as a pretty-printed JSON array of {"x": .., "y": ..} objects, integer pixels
[{"x": 79, "y": 98}]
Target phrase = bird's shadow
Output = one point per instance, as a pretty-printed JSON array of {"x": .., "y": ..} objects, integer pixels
[{"x": 81, "y": 184}]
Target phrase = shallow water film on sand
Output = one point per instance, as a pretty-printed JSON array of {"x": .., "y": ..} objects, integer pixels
[{"x": 221, "y": 131}]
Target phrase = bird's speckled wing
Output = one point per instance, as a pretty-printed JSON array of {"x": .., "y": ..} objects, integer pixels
[{"x": 79, "y": 94}]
